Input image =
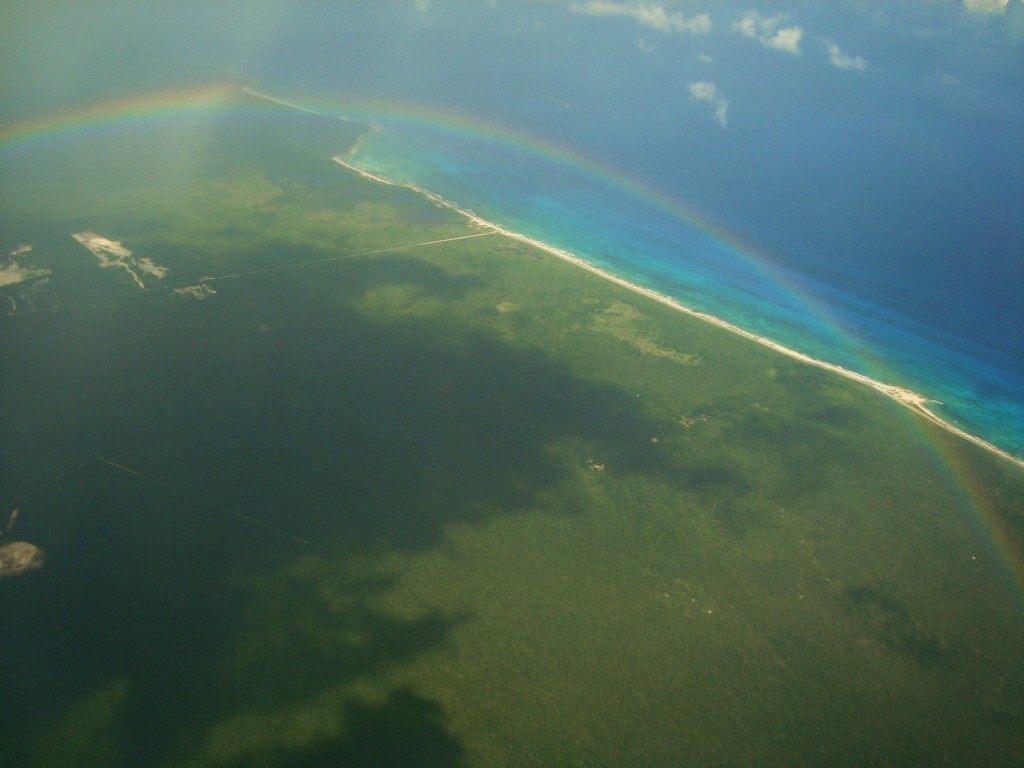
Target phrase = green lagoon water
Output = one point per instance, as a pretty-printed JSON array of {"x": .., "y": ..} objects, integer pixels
[{"x": 512, "y": 514}]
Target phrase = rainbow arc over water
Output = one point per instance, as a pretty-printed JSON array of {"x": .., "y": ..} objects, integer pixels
[{"x": 192, "y": 103}]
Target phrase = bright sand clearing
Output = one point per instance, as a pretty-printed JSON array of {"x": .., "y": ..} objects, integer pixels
[
  {"x": 112, "y": 254},
  {"x": 912, "y": 400}
]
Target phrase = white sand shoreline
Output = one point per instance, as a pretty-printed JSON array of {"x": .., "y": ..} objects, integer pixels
[{"x": 905, "y": 397}]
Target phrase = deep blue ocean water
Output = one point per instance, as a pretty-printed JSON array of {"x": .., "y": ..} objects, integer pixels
[{"x": 978, "y": 386}]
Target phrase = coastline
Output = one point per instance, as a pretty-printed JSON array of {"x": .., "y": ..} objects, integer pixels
[{"x": 909, "y": 399}]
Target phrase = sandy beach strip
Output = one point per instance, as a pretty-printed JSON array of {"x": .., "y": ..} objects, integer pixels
[{"x": 905, "y": 397}]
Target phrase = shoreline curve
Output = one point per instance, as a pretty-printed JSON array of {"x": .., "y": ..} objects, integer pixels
[{"x": 908, "y": 398}]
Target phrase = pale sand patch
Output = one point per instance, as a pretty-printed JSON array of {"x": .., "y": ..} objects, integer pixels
[
  {"x": 12, "y": 272},
  {"x": 19, "y": 557},
  {"x": 148, "y": 266},
  {"x": 196, "y": 292},
  {"x": 100, "y": 245},
  {"x": 112, "y": 254},
  {"x": 506, "y": 306},
  {"x": 912, "y": 400}
]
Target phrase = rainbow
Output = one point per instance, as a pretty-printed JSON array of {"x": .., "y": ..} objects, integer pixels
[
  {"x": 118, "y": 114},
  {"x": 413, "y": 116},
  {"x": 171, "y": 105}
]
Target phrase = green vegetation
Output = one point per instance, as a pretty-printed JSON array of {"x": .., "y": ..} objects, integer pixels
[{"x": 552, "y": 522}]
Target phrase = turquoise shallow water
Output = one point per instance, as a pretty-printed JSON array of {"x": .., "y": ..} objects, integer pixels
[{"x": 979, "y": 388}]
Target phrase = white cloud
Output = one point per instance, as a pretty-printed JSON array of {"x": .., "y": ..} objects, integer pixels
[
  {"x": 841, "y": 60},
  {"x": 653, "y": 16},
  {"x": 769, "y": 32},
  {"x": 703, "y": 58},
  {"x": 986, "y": 6},
  {"x": 747, "y": 26},
  {"x": 787, "y": 40},
  {"x": 422, "y": 5},
  {"x": 704, "y": 90},
  {"x": 644, "y": 46}
]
